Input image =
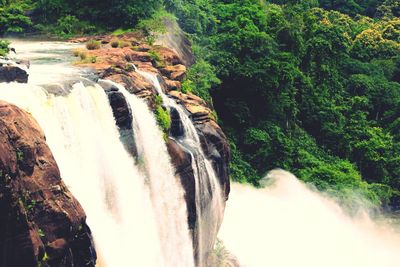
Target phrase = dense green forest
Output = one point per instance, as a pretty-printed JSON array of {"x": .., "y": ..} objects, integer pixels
[{"x": 308, "y": 86}]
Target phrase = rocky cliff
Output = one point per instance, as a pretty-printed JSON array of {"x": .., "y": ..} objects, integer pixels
[
  {"x": 41, "y": 224},
  {"x": 118, "y": 64}
]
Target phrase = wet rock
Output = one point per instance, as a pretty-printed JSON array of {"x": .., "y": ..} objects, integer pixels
[
  {"x": 41, "y": 221},
  {"x": 13, "y": 73},
  {"x": 182, "y": 162},
  {"x": 177, "y": 130},
  {"x": 123, "y": 116},
  {"x": 216, "y": 147},
  {"x": 121, "y": 110}
]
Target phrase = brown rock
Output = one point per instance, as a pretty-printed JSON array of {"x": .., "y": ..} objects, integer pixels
[
  {"x": 36, "y": 208},
  {"x": 132, "y": 81},
  {"x": 172, "y": 85},
  {"x": 137, "y": 56},
  {"x": 176, "y": 72},
  {"x": 169, "y": 56},
  {"x": 143, "y": 48}
]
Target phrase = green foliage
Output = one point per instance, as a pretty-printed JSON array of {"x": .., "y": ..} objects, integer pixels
[
  {"x": 200, "y": 78},
  {"x": 13, "y": 18},
  {"x": 20, "y": 155},
  {"x": 312, "y": 90},
  {"x": 163, "y": 119},
  {"x": 195, "y": 16},
  {"x": 118, "y": 14},
  {"x": 41, "y": 233},
  {"x": 4, "y": 47},
  {"x": 120, "y": 31},
  {"x": 154, "y": 25}
]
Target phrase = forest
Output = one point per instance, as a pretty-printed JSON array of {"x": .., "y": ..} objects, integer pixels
[{"x": 308, "y": 86}]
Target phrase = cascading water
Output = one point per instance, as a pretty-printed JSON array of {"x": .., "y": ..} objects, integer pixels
[
  {"x": 166, "y": 194},
  {"x": 137, "y": 218},
  {"x": 209, "y": 199},
  {"x": 286, "y": 224}
]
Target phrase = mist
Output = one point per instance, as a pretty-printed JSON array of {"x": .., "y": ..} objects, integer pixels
[{"x": 286, "y": 224}]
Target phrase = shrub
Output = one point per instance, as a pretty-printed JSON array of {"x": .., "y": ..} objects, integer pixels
[
  {"x": 76, "y": 52},
  {"x": 114, "y": 43},
  {"x": 200, "y": 79},
  {"x": 4, "y": 47},
  {"x": 12, "y": 18},
  {"x": 92, "y": 45},
  {"x": 163, "y": 119},
  {"x": 83, "y": 56}
]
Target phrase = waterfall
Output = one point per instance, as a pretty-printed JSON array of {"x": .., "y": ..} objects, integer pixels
[
  {"x": 166, "y": 193},
  {"x": 286, "y": 224},
  {"x": 209, "y": 199},
  {"x": 137, "y": 219}
]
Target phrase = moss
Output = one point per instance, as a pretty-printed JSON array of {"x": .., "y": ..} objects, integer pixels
[
  {"x": 156, "y": 59},
  {"x": 163, "y": 119},
  {"x": 20, "y": 155},
  {"x": 158, "y": 100},
  {"x": 41, "y": 233}
]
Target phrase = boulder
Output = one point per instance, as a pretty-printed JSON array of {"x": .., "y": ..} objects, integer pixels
[
  {"x": 172, "y": 85},
  {"x": 42, "y": 224},
  {"x": 123, "y": 118},
  {"x": 13, "y": 73},
  {"x": 174, "y": 72}
]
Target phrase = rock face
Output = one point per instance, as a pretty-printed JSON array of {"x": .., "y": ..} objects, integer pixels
[
  {"x": 115, "y": 64},
  {"x": 175, "y": 39},
  {"x": 12, "y": 72},
  {"x": 41, "y": 224}
]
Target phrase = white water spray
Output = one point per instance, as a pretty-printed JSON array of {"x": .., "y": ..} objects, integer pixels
[
  {"x": 166, "y": 192},
  {"x": 286, "y": 225},
  {"x": 137, "y": 218},
  {"x": 209, "y": 199},
  {"x": 81, "y": 133}
]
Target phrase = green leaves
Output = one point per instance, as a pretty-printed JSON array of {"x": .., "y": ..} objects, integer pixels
[
  {"x": 4, "y": 47},
  {"x": 13, "y": 19},
  {"x": 200, "y": 79},
  {"x": 305, "y": 89}
]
